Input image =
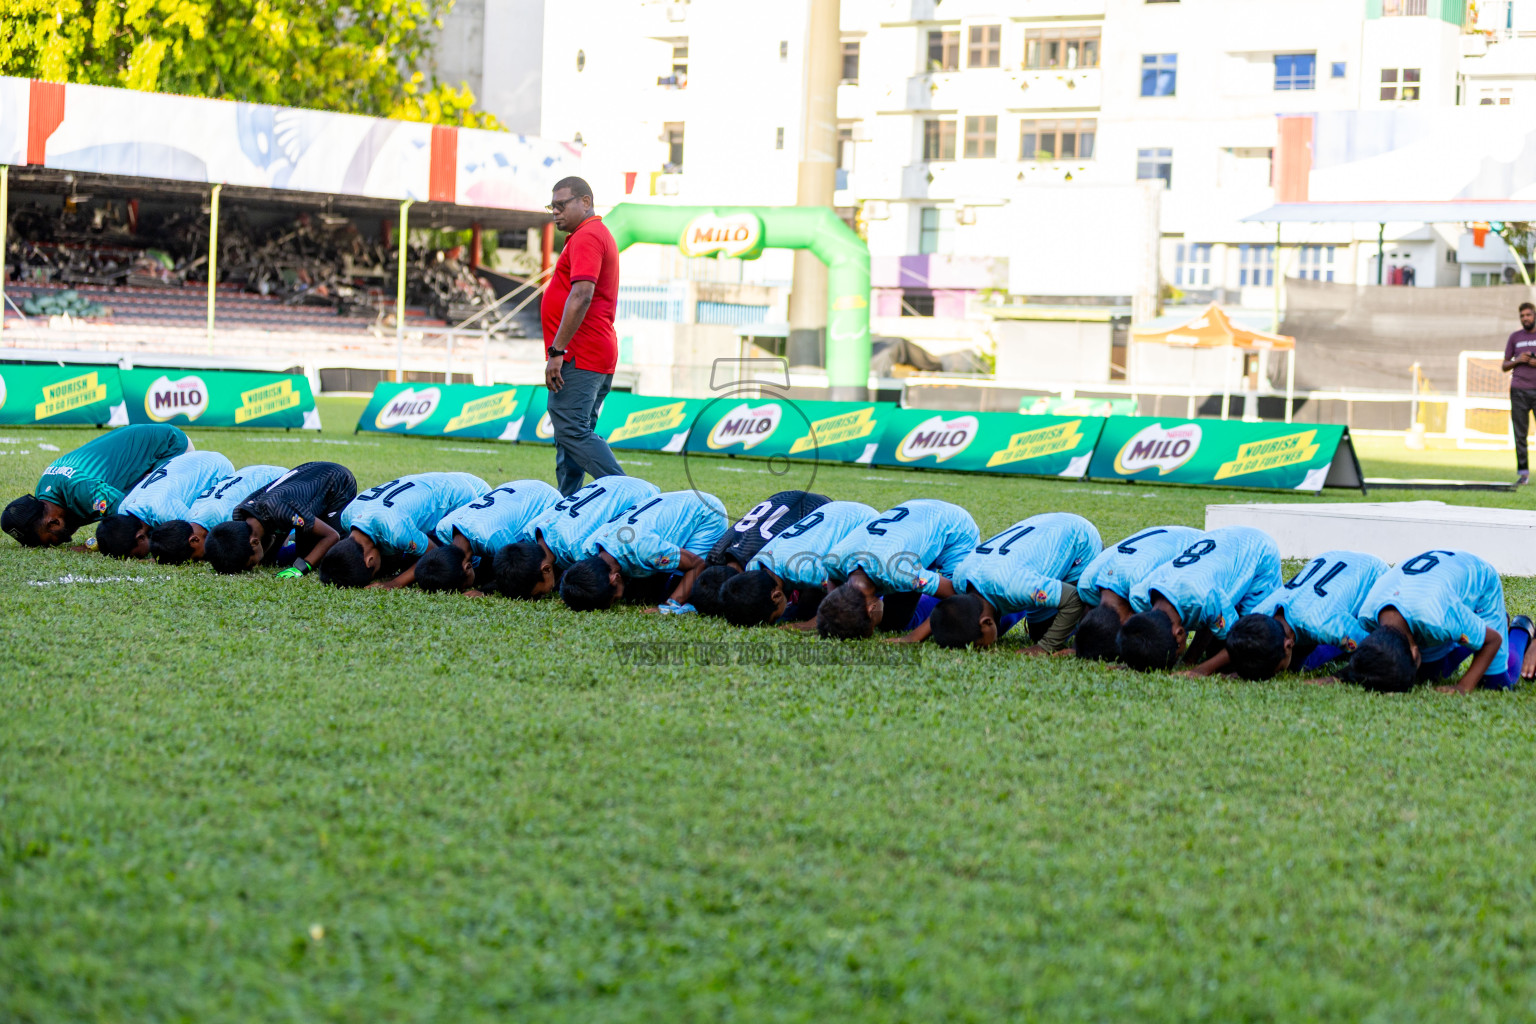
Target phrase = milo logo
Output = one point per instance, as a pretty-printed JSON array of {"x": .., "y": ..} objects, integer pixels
[
  {"x": 410, "y": 408},
  {"x": 937, "y": 437},
  {"x": 746, "y": 426},
  {"x": 1166, "y": 449},
  {"x": 167, "y": 399},
  {"x": 544, "y": 430}
]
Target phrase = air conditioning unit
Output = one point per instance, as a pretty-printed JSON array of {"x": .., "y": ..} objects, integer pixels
[{"x": 877, "y": 209}]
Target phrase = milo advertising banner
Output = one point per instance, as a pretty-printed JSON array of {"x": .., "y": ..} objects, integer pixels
[
  {"x": 638, "y": 422},
  {"x": 534, "y": 426},
  {"x": 493, "y": 413},
  {"x": 766, "y": 427},
  {"x": 219, "y": 398},
  {"x": 1226, "y": 453},
  {"x": 63, "y": 395},
  {"x": 990, "y": 442}
]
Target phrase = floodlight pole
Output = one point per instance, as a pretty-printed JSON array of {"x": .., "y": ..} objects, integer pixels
[
  {"x": 1226, "y": 381},
  {"x": 1279, "y": 276},
  {"x": 5, "y": 209},
  {"x": 213, "y": 257},
  {"x": 1290, "y": 381},
  {"x": 405, "y": 207}
]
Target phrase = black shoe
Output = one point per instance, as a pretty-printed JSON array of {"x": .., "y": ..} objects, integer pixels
[{"x": 1524, "y": 622}]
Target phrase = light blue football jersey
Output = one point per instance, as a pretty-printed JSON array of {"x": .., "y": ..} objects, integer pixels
[
  {"x": 218, "y": 500},
  {"x": 1022, "y": 568},
  {"x": 1222, "y": 575},
  {"x": 1120, "y": 567},
  {"x": 908, "y": 548},
  {"x": 568, "y": 526},
  {"x": 650, "y": 537},
  {"x": 168, "y": 491},
  {"x": 798, "y": 556},
  {"x": 1448, "y": 598},
  {"x": 1322, "y": 601},
  {"x": 499, "y": 518},
  {"x": 401, "y": 514}
]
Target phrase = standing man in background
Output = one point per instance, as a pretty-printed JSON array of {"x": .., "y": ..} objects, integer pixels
[
  {"x": 1520, "y": 356},
  {"x": 579, "y": 339}
]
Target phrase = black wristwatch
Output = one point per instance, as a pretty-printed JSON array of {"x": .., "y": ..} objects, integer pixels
[{"x": 554, "y": 353}]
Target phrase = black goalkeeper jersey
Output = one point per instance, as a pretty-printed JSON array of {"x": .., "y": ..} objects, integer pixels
[
  {"x": 765, "y": 521},
  {"x": 298, "y": 499}
]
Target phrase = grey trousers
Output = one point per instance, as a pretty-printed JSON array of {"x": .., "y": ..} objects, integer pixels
[{"x": 573, "y": 414}]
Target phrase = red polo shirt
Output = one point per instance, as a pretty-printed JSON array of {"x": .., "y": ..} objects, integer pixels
[{"x": 590, "y": 254}]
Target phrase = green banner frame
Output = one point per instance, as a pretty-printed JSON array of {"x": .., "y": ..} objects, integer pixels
[
  {"x": 1226, "y": 453},
  {"x": 52, "y": 395},
  {"x": 219, "y": 398},
  {"x": 990, "y": 442},
  {"x": 778, "y": 427},
  {"x": 468, "y": 411}
]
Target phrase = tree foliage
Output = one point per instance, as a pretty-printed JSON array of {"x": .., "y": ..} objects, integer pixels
[{"x": 360, "y": 57}]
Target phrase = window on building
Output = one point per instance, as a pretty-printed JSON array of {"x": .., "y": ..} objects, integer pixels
[
  {"x": 850, "y": 60},
  {"x": 929, "y": 230},
  {"x": 938, "y": 140},
  {"x": 980, "y": 137},
  {"x": 1315, "y": 263},
  {"x": 778, "y": 138},
  {"x": 986, "y": 46},
  {"x": 1340, "y": 68},
  {"x": 1159, "y": 74},
  {"x": 673, "y": 133},
  {"x": 1061, "y": 48},
  {"x": 1400, "y": 84},
  {"x": 1057, "y": 140},
  {"x": 680, "y": 59},
  {"x": 1496, "y": 97},
  {"x": 783, "y": 49},
  {"x": 1256, "y": 266},
  {"x": 845, "y": 147},
  {"x": 581, "y": 61},
  {"x": 1404, "y": 8},
  {"x": 943, "y": 51},
  {"x": 916, "y": 303},
  {"x": 1295, "y": 71},
  {"x": 1192, "y": 266},
  {"x": 1155, "y": 163}
]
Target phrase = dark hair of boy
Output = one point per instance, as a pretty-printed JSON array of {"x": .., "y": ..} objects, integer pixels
[
  {"x": 746, "y": 599},
  {"x": 519, "y": 568},
  {"x": 441, "y": 569},
  {"x": 585, "y": 587},
  {"x": 707, "y": 589},
  {"x": 955, "y": 622},
  {"x": 1383, "y": 663},
  {"x": 20, "y": 520},
  {"x": 1256, "y": 646},
  {"x": 844, "y": 615},
  {"x": 345, "y": 565},
  {"x": 1098, "y": 635},
  {"x": 171, "y": 543},
  {"x": 117, "y": 535},
  {"x": 228, "y": 547},
  {"x": 1147, "y": 643}
]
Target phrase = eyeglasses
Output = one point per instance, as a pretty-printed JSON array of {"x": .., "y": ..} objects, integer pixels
[{"x": 559, "y": 205}]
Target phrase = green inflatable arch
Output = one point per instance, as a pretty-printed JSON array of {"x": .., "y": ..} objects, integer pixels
[{"x": 745, "y": 231}]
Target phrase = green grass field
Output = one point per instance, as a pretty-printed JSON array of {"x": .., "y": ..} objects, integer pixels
[{"x": 252, "y": 799}]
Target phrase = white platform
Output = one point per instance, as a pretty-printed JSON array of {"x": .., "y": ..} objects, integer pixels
[{"x": 1391, "y": 530}]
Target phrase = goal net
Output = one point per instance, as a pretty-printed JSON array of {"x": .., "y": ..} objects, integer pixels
[{"x": 1478, "y": 417}]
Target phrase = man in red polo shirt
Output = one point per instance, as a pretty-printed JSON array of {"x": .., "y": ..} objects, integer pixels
[{"x": 578, "y": 310}]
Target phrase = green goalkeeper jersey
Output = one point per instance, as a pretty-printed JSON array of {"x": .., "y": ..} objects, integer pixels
[{"x": 89, "y": 482}]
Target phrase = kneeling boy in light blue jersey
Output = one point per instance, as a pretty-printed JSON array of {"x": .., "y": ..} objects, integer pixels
[
  {"x": 469, "y": 537},
  {"x": 557, "y": 538},
  {"x": 166, "y": 493},
  {"x": 181, "y": 540},
  {"x": 669, "y": 534},
  {"x": 792, "y": 567},
  {"x": 391, "y": 525}
]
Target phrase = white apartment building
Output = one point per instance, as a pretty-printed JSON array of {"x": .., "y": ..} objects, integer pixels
[{"x": 997, "y": 145}]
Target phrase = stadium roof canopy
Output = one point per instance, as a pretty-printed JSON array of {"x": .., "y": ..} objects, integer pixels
[
  {"x": 1450, "y": 211},
  {"x": 77, "y": 138}
]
